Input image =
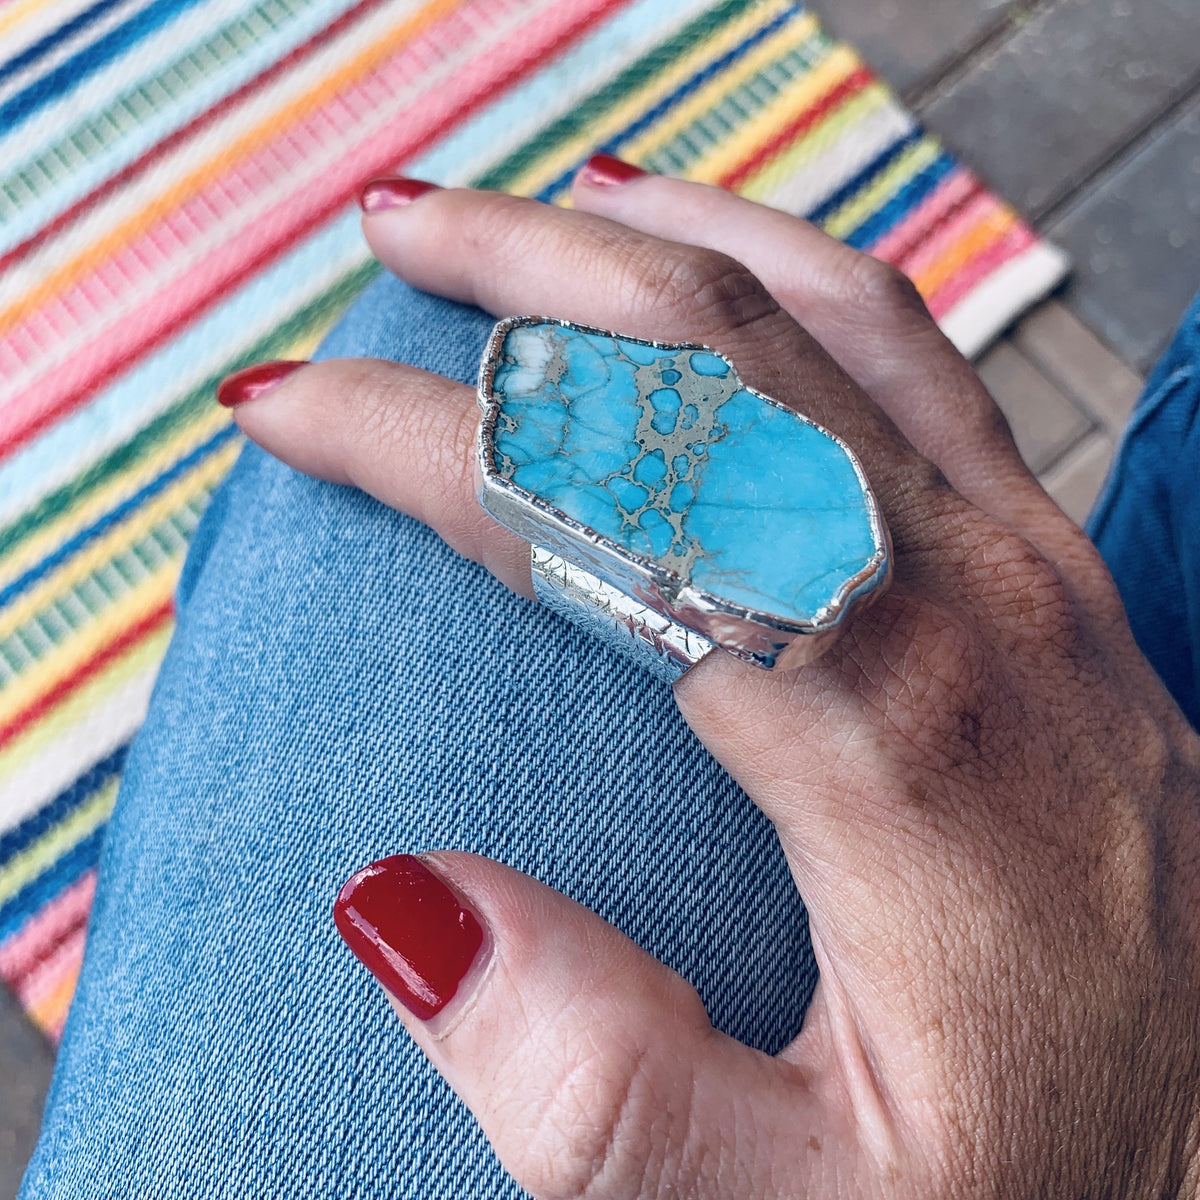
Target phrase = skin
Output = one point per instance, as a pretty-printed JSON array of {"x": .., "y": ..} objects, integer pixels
[{"x": 988, "y": 801}]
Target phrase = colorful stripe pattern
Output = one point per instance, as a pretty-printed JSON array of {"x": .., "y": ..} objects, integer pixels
[{"x": 176, "y": 201}]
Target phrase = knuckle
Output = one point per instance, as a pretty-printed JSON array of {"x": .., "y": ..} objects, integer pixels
[
  {"x": 485, "y": 222},
  {"x": 928, "y": 681},
  {"x": 943, "y": 676},
  {"x": 702, "y": 289},
  {"x": 1020, "y": 588},
  {"x": 1079, "y": 555},
  {"x": 880, "y": 288},
  {"x": 377, "y": 414},
  {"x": 451, "y": 474},
  {"x": 496, "y": 233},
  {"x": 390, "y": 428},
  {"x": 598, "y": 1131}
]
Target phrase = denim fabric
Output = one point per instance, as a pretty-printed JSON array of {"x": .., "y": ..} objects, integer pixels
[
  {"x": 1147, "y": 520},
  {"x": 342, "y": 686}
]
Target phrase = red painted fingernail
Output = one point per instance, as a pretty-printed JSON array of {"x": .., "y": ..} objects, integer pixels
[
  {"x": 410, "y": 931},
  {"x": 378, "y": 195},
  {"x": 255, "y": 381},
  {"x": 604, "y": 170}
]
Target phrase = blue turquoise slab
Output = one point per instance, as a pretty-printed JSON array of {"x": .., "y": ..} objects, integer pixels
[{"x": 654, "y": 467}]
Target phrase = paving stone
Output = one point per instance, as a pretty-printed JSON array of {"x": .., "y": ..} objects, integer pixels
[
  {"x": 909, "y": 41},
  {"x": 1045, "y": 423},
  {"x": 1065, "y": 91},
  {"x": 1135, "y": 238},
  {"x": 26, "y": 1063},
  {"x": 1067, "y": 353},
  {"x": 1075, "y": 479}
]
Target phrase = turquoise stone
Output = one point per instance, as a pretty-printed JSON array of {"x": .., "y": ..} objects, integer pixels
[{"x": 664, "y": 452}]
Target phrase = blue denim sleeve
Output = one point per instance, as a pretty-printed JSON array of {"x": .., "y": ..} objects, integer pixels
[
  {"x": 1147, "y": 520},
  {"x": 342, "y": 686}
]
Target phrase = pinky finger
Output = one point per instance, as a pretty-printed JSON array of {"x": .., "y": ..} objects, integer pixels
[{"x": 402, "y": 435}]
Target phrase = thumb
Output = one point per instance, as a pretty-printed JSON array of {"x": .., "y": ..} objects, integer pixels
[{"x": 591, "y": 1067}]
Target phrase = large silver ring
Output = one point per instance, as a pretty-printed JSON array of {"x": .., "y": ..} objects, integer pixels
[{"x": 671, "y": 509}]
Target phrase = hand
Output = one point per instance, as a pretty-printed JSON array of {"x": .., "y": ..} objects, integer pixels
[{"x": 988, "y": 801}]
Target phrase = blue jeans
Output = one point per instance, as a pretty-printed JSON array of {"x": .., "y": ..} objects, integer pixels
[
  {"x": 1147, "y": 519},
  {"x": 342, "y": 686}
]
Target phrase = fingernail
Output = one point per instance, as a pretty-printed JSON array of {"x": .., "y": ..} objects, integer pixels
[
  {"x": 255, "y": 381},
  {"x": 410, "y": 931},
  {"x": 378, "y": 195},
  {"x": 605, "y": 170}
]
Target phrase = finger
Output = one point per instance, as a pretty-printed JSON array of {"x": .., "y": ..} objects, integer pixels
[
  {"x": 511, "y": 255},
  {"x": 406, "y": 437},
  {"x": 402, "y": 435},
  {"x": 872, "y": 321},
  {"x": 865, "y": 313},
  {"x": 508, "y": 254},
  {"x": 591, "y": 1067}
]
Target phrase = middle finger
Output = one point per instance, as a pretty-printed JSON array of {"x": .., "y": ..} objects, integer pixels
[{"x": 509, "y": 255}]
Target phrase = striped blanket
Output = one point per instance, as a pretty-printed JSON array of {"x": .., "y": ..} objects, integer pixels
[{"x": 177, "y": 183}]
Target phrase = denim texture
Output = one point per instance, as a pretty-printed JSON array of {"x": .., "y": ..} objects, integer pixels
[
  {"x": 1147, "y": 520},
  {"x": 342, "y": 686}
]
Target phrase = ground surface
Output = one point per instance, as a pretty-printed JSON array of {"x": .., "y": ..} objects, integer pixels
[{"x": 1085, "y": 114}]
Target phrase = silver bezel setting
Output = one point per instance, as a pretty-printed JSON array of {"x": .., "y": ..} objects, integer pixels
[{"x": 764, "y": 638}]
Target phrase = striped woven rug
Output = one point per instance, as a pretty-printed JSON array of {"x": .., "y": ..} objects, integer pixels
[{"x": 177, "y": 183}]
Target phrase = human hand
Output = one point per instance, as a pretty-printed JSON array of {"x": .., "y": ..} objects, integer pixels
[{"x": 987, "y": 799}]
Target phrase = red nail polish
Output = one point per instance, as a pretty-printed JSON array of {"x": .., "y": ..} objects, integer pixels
[
  {"x": 378, "y": 195},
  {"x": 255, "y": 381},
  {"x": 605, "y": 170},
  {"x": 410, "y": 931}
]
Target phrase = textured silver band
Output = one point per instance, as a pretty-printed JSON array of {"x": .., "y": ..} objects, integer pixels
[{"x": 629, "y": 627}]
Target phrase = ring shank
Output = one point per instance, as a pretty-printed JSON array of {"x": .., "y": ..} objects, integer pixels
[{"x": 656, "y": 643}]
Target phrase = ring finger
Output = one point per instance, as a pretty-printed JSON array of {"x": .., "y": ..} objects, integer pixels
[{"x": 400, "y": 434}]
